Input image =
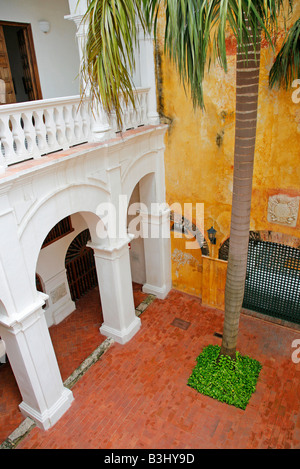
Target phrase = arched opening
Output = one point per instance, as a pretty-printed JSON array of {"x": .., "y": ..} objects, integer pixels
[
  {"x": 136, "y": 246},
  {"x": 74, "y": 314},
  {"x": 73, "y": 328},
  {"x": 147, "y": 174},
  {"x": 141, "y": 203}
]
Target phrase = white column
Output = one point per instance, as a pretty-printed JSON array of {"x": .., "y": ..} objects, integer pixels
[
  {"x": 115, "y": 284},
  {"x": 31, "y": 355},
  {"x": 147, "y": 74},
  {"x": 77, "y": 7},
  {"x": 100, "y": 122},
  {"x": 157, "y": 246}
]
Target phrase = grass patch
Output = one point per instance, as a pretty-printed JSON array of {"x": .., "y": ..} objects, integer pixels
[{"x": 227, "y": 380}]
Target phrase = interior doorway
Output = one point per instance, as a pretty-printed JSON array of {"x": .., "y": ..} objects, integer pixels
[{"x": 18, "y": 66}]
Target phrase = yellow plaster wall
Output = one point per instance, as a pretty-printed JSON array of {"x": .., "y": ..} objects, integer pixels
[{"x": 199, "y": 155}]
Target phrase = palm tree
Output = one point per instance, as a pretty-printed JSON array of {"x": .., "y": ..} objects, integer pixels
[{"x": 195, "y": 33}]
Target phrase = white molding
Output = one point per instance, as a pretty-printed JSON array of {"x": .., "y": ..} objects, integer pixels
[
  {"x": 160, "y": 292},
  {"x": 122, "y": 336},
  {"x": 49, "y": 417}
]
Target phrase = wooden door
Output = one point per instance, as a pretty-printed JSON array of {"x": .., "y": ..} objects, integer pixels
[
  {"x": 7, "y": 95},
  {"x": 29, "y": 72}
]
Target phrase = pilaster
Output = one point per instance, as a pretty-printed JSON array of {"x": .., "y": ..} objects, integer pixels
[
  {"x": 32, "y": 358},
  {"x": 157, "y": 245},
  {"x": 115, "y": 284}
]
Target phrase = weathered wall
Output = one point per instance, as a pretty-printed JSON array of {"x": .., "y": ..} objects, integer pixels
[{"x": 199, "y": 158}]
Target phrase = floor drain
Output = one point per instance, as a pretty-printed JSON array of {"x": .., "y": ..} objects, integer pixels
[
  {"x": 217, "y": 334},
  {"x": 181, "y": 324}
]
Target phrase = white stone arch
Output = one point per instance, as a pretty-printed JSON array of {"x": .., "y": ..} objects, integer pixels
[
  {"x": 72, "y": 199},
  {"x": 30, "y": 347},
  {"x": 148, "y": 172},
  {"x": 142, "y": 167},
  {"x": 51, "y": 266}
]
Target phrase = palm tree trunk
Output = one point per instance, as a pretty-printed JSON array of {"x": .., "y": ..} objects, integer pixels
[{"x": 247, "y": 82}]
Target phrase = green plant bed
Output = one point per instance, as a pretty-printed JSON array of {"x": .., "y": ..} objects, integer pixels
[{"x": 227, "y": 380}]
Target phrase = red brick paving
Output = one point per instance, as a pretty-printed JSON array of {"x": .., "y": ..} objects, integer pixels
[
  {"x": 136, "y": 395},
  {"x": 138, "y": 295},
  {"x": 10, "y": 398},
  {"x": 73, "y": 340}
]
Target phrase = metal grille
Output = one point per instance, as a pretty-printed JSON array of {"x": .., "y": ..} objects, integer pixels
[
  {"x": 80, "y": 266},
  {"x": 62, "y": 228},
  {"x": 273, "y": 280}
]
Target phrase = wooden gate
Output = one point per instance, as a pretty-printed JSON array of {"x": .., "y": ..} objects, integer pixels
[{"x": 80, "y": 266}]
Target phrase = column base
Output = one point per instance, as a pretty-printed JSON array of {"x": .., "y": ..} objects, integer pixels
[
  {"x": 124, "y": 335},
  {"x": 160, "y": 292},
  {"x": 49, "y": 417}
]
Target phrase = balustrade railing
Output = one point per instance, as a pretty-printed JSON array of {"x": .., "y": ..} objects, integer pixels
[
  {"x": 36, "y": 128},
  {"x": 133, "y": 117},
  {"x": 33, "y": 129}
]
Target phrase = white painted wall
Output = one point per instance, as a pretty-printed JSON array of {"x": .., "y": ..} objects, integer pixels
[
  {"x": 57, "y": 51},
  {"x": 137, "y": 254},
  {"x": 51, "y": 269}
]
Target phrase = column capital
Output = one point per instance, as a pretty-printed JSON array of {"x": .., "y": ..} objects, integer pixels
[
  {"x": 24, "y": 319},
  {"x": 158, "y": 217},
  {"x": 112, "y": 251}
]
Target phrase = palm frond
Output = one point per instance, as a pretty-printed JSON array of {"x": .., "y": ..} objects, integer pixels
[
  {"x": 108, "y": 60},
  {"x": 286, "y": 67},
  {"x": 196, "y": 31},
  {"x": 195, "y": 37}
]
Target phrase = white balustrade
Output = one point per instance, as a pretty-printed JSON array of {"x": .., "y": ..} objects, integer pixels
[
  {"x": 33, "y": 129},
  {"x": 36, "y": 128},
  {"x": 134, "y": 117}
]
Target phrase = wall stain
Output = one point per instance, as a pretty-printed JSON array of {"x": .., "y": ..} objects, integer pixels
[
  {"x": 183, "y": 258},
  {"x": 220, "y": 138},
  {"x": 164, "y": 119}
]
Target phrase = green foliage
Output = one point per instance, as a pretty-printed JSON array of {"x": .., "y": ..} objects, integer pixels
[
  {"x": 286, "y": 67},
  {"x": 108, "y": 61},
  {"x": 195, "y": 35},
  {"x": 196, "y": 30},
  {"x": 224, "y": 379}
]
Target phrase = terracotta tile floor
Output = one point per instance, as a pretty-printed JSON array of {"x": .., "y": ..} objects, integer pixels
[
  {"x": 73, "y": 340},
  {"x": 136, "y": 395}
]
